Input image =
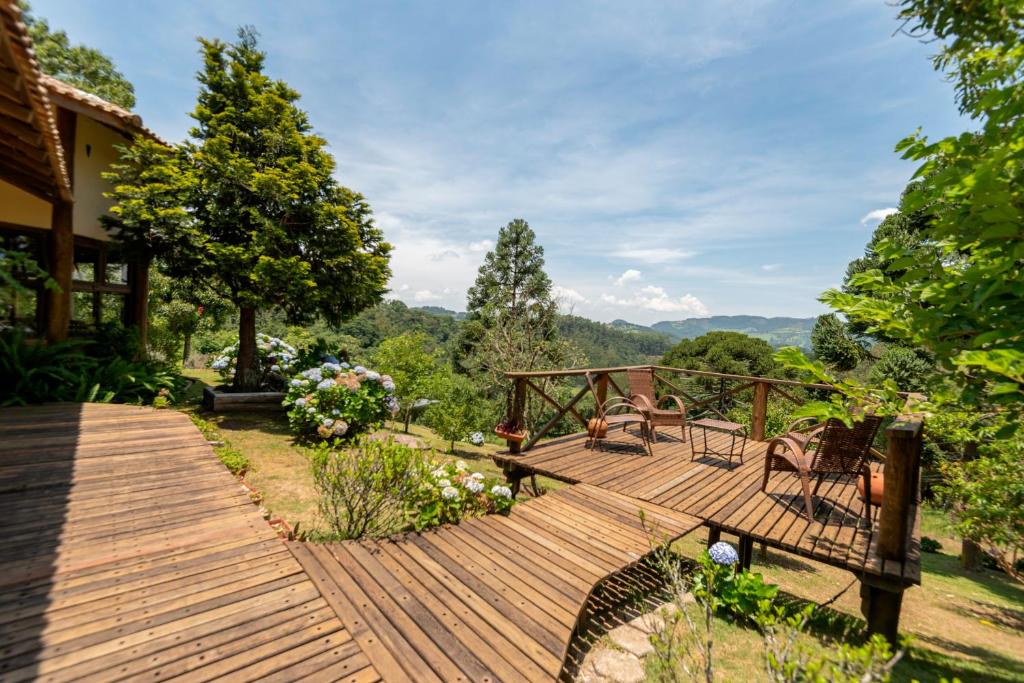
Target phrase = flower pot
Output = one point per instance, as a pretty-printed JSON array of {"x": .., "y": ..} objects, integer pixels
[
  {"x": 510, "y": 436},
  {"x": 597, "y": 428},
  {"x": 877, "y": 487}
]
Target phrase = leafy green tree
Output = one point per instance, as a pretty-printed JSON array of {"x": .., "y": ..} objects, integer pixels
[
  {"x": 959, "y": 293},
  {"x": 903, "y": 366},
  {"x": 732, "y": 353},
  {"x": 266, "y": 223},
  {"x": 84, "y": 67},
  {"x": 511, "y": 316},
  {"x": 415, "y": 366},
  {"x": 833, "y": 345},
  {"x": 458, "y": 411}
]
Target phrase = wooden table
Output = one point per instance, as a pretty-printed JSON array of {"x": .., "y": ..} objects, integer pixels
[{"x": 732, "y": 428}]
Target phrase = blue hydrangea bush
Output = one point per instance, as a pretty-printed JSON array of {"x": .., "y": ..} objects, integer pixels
[
  {"x": 275, "y": 360},
  {"x": 336, "y": 400},
  {"x": 450, "y": 492}
]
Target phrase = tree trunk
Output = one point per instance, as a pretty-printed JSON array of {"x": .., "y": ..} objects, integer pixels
[
  {"x": 970, "y": 552},
  {"x": 188, "y": 349},
  {"x": 408, "y": 416},
  {"x": 247, "y": 376}
]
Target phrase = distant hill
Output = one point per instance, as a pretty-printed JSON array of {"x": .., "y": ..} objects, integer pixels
[
  {"x": 775, "y": 331},
  {"x": 441, "y": 311},
  {"x": 607, "y": 346}
]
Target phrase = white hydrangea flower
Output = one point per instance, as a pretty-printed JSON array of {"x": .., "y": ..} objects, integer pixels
[
  {"x": 335, "y": 412},
  {"x": 450, "y": 493},
  {"x": 300, "y": 401},
  {"x": 326, "y": 384},
  {"x": 275, "y": 368},
  {"x": 461, "y": 466},
  {"x": 474, "y": 486},
  {"x": 444, "y": 483},
  {"x": 439, "y": 472},
  {"x": 501, "y": 491},
  {"x": 327, "y": 422},
  {"x": 479, "y": 476},
  {"x": 297, "y": 382},
  {"x": 372, "y": 375}
]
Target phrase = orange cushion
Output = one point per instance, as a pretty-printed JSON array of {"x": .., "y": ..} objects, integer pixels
[{"x": 877, "y": 486}]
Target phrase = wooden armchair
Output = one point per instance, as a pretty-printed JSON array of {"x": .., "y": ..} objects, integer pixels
[
  {"x": 830, "y": 448},
  {"x": 641, "y": 390}
]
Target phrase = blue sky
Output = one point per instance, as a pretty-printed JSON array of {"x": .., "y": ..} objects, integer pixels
[{"x": 675, "y": 159}]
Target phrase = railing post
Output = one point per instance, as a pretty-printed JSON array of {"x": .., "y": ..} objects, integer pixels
[
  {"x": 902, "y": 461},
  {"x": 759, "y": 411},
  {"x": 518, "y": 410},
  {"x": 602, "y": 389}
]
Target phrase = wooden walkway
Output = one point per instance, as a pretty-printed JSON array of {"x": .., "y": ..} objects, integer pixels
[
  {"x": 494, "y": 598},
  {"x": 727, "y": 497},
  {"x": 129, "y": 551}
]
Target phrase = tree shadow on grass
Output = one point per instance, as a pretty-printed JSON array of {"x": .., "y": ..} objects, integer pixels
[{"x": 948, "y": 566}]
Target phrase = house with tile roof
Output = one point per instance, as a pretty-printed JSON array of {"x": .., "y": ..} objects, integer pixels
[{"x": 56, "y": 141}]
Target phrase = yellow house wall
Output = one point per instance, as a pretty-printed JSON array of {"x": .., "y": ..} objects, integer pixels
[
  {"x": 94, "y": 152},
  {"x": 21, "y": 208}
]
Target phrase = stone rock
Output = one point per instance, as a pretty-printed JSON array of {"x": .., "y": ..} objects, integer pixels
[
  {"x": 631, "y": 639},
  {"x": 621, "y": 667}
]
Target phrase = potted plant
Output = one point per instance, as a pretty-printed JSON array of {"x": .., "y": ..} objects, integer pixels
[{"x": 511, "y": 430}]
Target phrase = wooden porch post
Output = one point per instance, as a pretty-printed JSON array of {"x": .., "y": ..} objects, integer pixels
[
  {"x": 880, "y": 603},
  {"x": 518, "y": 410},
  {"x": 902, "y": 460},
  {"x": 602, "y": 389},
  {"x": 137, "y": 305},
  {"x": 61, "y": 264},
  {"x": 759, "y": 411}
]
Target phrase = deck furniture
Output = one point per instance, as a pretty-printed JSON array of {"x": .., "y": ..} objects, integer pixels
[
  {"x": 831, "y": 448},
  {"x": 733, "y": 429},
  {"x": 621, "y": 411},
  {"x": 641, "y": 390}
]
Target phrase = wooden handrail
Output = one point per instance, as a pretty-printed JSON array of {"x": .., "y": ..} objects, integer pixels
[{"x": 580, "y": 372}]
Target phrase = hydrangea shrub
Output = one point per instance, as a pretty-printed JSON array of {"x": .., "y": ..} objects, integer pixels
[
  {"x": 450, "y": 492},
  {"x": 275, "y": 359},
  {"x": 337, "y": 400}
]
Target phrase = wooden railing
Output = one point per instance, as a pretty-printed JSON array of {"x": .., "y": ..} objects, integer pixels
[{"x": 605, "y": 379}]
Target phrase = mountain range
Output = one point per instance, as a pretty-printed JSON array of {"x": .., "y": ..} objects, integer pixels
[{"x": 777, "y": 331}]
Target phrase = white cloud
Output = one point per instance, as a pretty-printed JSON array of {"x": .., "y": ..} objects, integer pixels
[
  {"x": 653, "y": 255},
  {"x": 878, "y": 215},
  {"x": 567, "y": 295},
  {"x": 423, "y": 295},
  {"x": 628, "y": 276},
  {"x": 654, "y": 298},
  {"x": 771, "y": 266},
  {"x": 482, "y": 245}
]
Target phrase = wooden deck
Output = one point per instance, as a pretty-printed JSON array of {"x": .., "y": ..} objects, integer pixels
[
  {"x": 728, "y": 497},
  {"x": 129, "y": 551},
  {"x": 494, "y": 598}
]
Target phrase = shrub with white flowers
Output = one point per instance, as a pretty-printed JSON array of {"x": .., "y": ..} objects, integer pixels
[
  {"x": 450, "y": 491},
  {"x": 275, "y": 359},
  {"x": 477, "y": 438},
  {"x": 338, "y": 400}
]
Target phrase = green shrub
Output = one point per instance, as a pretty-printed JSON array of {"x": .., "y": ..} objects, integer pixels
[
  {"x": 742, "y": 595},
  {"x": 67, "y": 371},
  {"x": 336, "y": 400},
  {"x": 778, "y": 416},
  {"x": 930, "y": 545},
  {"x": 458, "y": 412},
  {"x": 374, "y": 488},
  {"x": 232, "y": 458}
]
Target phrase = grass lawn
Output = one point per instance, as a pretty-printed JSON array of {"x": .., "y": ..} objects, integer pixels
[{"x": 965, "y": 625}]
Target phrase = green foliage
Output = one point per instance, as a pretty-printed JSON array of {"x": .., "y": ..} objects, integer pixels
[
  {"x": 275, "y": 361},
  {"x": 726, "y": 352},
  {"x": 833, "y": 345},
  {"x": 83, "y": 67},
  {"x": 958, "y": 293},
  {"x": 987, "y": 497},
  {"x": 363, "y": 489},
  {"x": 235, "y": 460},
  {"x": 905, "y": 367},
  {"x": 604, "y": 346},
  {"x": 778, "y": 416},
  {"x": 930, "y": 545},
  {"x": 450, "y": 492},
  {"x": 18, "y": 268},
  {"x": 264, "y": 221},
  {"x": 74, "y": 371},
  {"x": 375, "y": 488},
  {"x": 335, "y": 400},
  {"x": 511, "y": 315},
  {"x": 742, "y": 595},
  {"x": 458, "y": 410},
  {"x": 850, "y": 400},
  {"x": 414, "y": 364}
]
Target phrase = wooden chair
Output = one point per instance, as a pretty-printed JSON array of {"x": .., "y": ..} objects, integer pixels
[
  {"x": 621, "y": 411},
  {"x": 641, "y": 390},
  {"x": 830, "y": 448}
]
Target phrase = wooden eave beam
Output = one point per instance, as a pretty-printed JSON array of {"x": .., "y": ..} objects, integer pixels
[
  {"x": 35, "y": 153},
  {"x": 27, "y": 183},
  {"x": 21, "y": 130},
  {"x": 16, "y": 110}
]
